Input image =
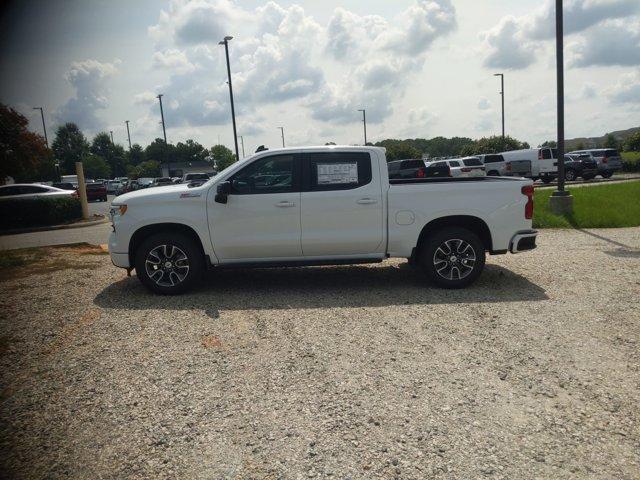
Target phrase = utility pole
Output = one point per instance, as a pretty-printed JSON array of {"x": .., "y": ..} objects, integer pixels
[
  {"x": 225, "y": 42},
  {"x": 561, "y": 201},
  {"x": 111, "y": 133},
  {"x": 164, "y": 133},
  {"x": 364, "y": 120},
  {"x": 501, "y": 75},
  {"x": 242, "y": 142},
  {"x": 128, "y": 134},
  {"x": 44, "y": 128},
  {"x": 282, "y": 132}
]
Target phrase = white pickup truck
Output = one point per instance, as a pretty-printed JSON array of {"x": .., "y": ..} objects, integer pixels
[{"x": 319, "y": 206}]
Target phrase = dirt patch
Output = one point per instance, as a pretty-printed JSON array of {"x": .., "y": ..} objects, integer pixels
[{"x": 211, "y": 341}]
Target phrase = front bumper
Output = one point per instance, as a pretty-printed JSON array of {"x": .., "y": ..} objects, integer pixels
[
  {"x": 523, "y": 241},
  {"x": 119, "y": 259}
]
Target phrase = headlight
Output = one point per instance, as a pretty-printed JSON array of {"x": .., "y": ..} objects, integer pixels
[{"x": 118, "y": 210}]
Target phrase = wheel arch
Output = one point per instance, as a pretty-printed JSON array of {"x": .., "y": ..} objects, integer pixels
[
  {"x": 146, "y": 231},
  {"x": 470, "y": 222}
]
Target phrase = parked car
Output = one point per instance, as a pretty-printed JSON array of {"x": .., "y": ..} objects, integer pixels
[
  {"x": 195, "y": 178},
  {"x": 580, "y": 165},
  {"x": 608, "y": 160},
  {"x": 113, "y": 186},
  {"x": 30, "y": 190},
  {"x": 145, "y": 182},
  {"x": 494, "y": 164},
  {"x": 64, "y": 185},
  {"x": 410, "y": 168},
  {"x": 319, "y": 205},
  {"x": 96, "y": 191},
  {"x": 159, "y": 182},
  {"x": 466, "y": 167}
]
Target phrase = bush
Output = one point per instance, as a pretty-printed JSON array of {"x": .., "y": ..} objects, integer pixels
[
  {"x": 38, "y": 212},
  {"x": 630, "y": 161}
]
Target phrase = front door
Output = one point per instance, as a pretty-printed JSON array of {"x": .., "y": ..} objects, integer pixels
[
  {"x": 261, "y": 219},
  {"x": 342, "y": 209}
]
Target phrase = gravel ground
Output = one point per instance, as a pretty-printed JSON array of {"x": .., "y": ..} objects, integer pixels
[{"x": 341, "y": 372}]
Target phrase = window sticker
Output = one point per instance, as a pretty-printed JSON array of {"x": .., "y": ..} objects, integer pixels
[{"x": 337, "y": 173}]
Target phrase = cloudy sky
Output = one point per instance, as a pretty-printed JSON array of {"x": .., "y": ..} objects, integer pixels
[{"x": 421, "y": 68}]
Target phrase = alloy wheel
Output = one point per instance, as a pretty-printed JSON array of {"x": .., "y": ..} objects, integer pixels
[
  {"x": 454, "y": 259},
  {"x": 167, "y": 265}
]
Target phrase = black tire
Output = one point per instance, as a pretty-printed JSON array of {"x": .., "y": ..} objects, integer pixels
[
  {"x": 607, "y": 174},
  {"x": 546, "y": 180},
  {"x": 493, "y": 173},
  {"x": 178, "y": 259},
  {"x": 455, "y": 241},
  {"x": 570, "y": 175}
]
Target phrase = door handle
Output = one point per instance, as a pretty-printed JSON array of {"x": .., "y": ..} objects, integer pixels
[
  {"x": 285, "y": 204},
  {"x": 367, "y": 201}
]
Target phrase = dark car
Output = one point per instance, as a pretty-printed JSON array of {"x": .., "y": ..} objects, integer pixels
[
  {"x": 96, "y": 191},
  {"x": 575, "y": 166},
  {"x": 412, "y": 168},
  {"x": 161, "y": 181}
]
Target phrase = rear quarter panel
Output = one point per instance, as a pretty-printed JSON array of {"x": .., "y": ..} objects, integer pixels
[{"x": 498, "y": 202}]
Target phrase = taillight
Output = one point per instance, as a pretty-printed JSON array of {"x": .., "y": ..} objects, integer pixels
[
  {"x": 465, "y": 170},
  {"x": 421, "y": 173},
  {"x": 528, "y": 208}
]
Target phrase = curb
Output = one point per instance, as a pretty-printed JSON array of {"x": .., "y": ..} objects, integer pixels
[{"x": 91, "y": 223}]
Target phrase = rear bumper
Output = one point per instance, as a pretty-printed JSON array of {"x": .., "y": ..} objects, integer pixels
[{"x": 523, "y": 241}]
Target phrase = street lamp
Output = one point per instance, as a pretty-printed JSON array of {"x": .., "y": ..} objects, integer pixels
[
  {"x": 501, "y": 75},
  {"x": 225, "y": 42},
  {"x": 164, "y": 133},
  {"x": 128, "y": 134},
  {"x": 561, "y": 201},
  {"x": 364, "y": 121},
  {"x": 44, "y": 128},
  {"x": 282, "y": 132},
  {"x": 111, "y": 133}
]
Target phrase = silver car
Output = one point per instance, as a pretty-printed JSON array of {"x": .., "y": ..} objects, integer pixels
[{"x": 31, "y": 190}]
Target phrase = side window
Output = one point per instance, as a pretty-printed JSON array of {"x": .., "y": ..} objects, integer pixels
[
  {"x": 337, "y": 170},
  {"x": 546, "y": 153},
  {"x": 273, "y": 174},
  {"x": 454, "y": 163},
  {"x": 32, "y": 189},
  {"x": 7, "y": 191}
]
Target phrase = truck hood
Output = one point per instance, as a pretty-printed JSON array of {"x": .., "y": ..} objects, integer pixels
[{"x": 154, "y": 193}]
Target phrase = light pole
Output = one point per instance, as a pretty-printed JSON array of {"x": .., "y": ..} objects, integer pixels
[
  {"x": 282, "y": 133},
  {"x": 44, "y": 128},
  {"x": 164, "y": 133},
  {"x": 128, "y": 134},
  {"x": 111, "y": 133},
  {"x": 364, "y": 121},
  {"x": 561, "y": 201},
  {"x": 242, "y": 143},
  {"x": 225, "y": 42},
  {"x": 501, "y": 75}
]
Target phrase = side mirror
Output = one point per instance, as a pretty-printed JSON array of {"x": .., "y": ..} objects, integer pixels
[{"x": 222, "y": 192}]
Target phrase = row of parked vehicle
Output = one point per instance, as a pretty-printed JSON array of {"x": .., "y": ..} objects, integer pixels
[{"x": 535, "y": 163}]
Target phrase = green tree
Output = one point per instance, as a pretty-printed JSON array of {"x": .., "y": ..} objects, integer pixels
[
  {"x": 150, "y": 168},
  {"x": 24, "y": 155},
  {"x": 399, "y": 149},
  {"x": 69, "y": 147},
  {"x": 580, "y": 146},
  {"x": 189, "y": 151},
  {"x": 222, "y": 156},
  {"x": 160, "y": 152},
  {"x": 549, "y": 143},
  {"x": 495, "y": 144},
  {"x": 95, "y": 166},
  {"x": 633, "y": 143},
  {"x": 114, "y": 155},
  {"x": 135, "y": 156},
  {"x": 610, "y": 141}
]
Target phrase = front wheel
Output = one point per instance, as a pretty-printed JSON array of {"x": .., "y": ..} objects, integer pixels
[
  {"x": 453, "y": 257},
  {"x": 169, "y": 263},
  {"x": 570, "y": 175}
]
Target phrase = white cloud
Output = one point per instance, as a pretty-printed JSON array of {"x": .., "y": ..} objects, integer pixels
[
  {"x": 484, "y": 104},
  {"x": 173, "y": 60},
  {"x": 627, "y": 90},
  {"x": 144, "y": 98},
  {"x": 513, "y": 42},
  {"x": 612, "y": 43},
  {"x": 87, "y": 79}
]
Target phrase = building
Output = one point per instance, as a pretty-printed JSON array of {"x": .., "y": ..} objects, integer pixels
[{"x": 178, "y": 169}]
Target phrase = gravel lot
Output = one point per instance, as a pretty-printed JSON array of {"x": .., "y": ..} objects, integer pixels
[{"x": 342, "y": 372}]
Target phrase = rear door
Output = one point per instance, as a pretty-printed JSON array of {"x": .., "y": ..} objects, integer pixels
[
  {"x": 547, "y": 161},
  {"x": 342, "y": 209}
]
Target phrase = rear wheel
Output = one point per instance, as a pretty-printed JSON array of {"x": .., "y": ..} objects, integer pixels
[
  {"x": 570, "y": 175},
  {"x": 453, "y": 257},
  {"x": 493, "y": 173},
  {"x": 607, "y": 174},
  {"x": 169, "y": 263}
]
